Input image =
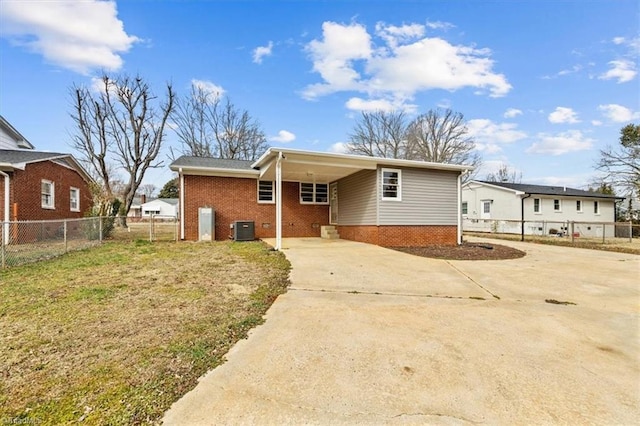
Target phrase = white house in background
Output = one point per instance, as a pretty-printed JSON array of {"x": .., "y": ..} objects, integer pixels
[
  {"x": 167, "y": 207},
  {"x": 500, "y": 206}
]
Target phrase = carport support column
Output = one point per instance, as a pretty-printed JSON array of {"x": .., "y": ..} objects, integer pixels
[{"x": 279, "y": 202}]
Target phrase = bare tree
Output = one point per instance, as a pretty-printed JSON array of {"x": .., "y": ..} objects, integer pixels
[
  {"x": 441, "y": 136},
  {"x": 208, "y": 127},
  {"x": 380, "y": 134},
  {"x": 621, "y": 164},
  {"x": 120, "y": 126},
  {"x": 505, "y": 174},
  {"x": 148, "y": 189}
]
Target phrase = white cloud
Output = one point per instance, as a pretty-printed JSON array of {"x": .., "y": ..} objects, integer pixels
[
  {"x": 622, "y": 70},
  {"x": 370, "y": 105},
  {"x": 618, "y": 40},
  {"x": 618, "y": 113},
  {"x": 563, "y": 115},
  {"x": 512, "y": 112},
  {"x": 596, "y": 123},
  {"x": 561, "y": 143},
  {"x": 80, "y": 36},
  {"x": 339, "y": 148},
  {"x": 403, "y": 63},
  {"x": 439, "y": 25},
  {"x": 262, "y": 51},
  {"x": 487, "y": 132},
  {"x": 209, "y": 87},
  {"x": 284, "y": 136}
]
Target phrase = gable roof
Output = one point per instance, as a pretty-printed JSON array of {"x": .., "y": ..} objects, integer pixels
[
  {"x": 547, "y": 190},
  {"x": 171, "y": 201},
  {"x": 20, "y": 140},
  {"x": 11, "y": 159},
  {"x": 300, "y": 165}
]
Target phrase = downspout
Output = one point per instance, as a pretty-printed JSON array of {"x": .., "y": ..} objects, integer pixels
[
  {"x": 7, "y": 205},
  {"x": 279, "y": 202},
  {"x": 460, "y": 207},
  {"x": 181, "y": 203},
  {"x": 522, "y": 216}
]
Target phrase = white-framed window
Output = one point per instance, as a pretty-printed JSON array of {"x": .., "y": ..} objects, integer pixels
[
  {"x": 579, "y": 206},
  {"x": 266, "y": 192},
  {"x": 314, "y": 193},
  {"x": 557, "y": 205},
  {"x": 537, "y": 206},
  {"x": 47, "y": 191},
  {"x": 74, "y": 199},
  {"x": 596, "y": 207},
  {"x": 151, "y": 212},
  {"x": 465, "y": 207},
  {"x": 486, "y": 207},
  {"x": 392, "y": 184}
]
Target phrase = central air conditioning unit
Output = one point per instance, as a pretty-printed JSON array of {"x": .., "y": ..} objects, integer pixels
[{"x": 244, "y": 230}]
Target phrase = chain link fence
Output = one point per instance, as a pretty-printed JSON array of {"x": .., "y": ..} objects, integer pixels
[
  {"x": 31, "y": 241},
  {"x": 574, "y": 231}
]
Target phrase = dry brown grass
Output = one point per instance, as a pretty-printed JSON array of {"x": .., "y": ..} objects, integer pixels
[{"x": 115, "y": 334}]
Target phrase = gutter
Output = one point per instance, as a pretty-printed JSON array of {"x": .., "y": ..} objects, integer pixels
[{"x": 522, "y": 216}]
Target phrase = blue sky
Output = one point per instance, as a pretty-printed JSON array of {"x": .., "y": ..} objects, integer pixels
[{"x": 542, "y": 84}]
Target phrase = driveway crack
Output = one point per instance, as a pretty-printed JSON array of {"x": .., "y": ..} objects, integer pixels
[{"x": 495, "y": 296}]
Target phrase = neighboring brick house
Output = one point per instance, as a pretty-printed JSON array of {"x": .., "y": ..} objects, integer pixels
[
  {"x": 382, "y": 201},
  {"x": 39, "y": 185}
]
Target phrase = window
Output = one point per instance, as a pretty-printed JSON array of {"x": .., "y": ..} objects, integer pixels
[
  {"x": 557, "y": 206},
  {"x": 596, "y": 207},
  {"x": 486, "y": 207},
  {"x": 391, "y": 184},
  {"x": 48, "y": 194},
  {"x": 265, "y": 191},
  {"x": 314, "y": 193},
  {"x": 74, "y": 199},
  {"x": 536, "y": 205},
  {"x": 151, "y": 212},
  {"x": 579, "y": 206},
  {"x": 465, "y": 207}
]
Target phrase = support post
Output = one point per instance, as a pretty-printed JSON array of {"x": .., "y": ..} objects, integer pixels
[
  {"x": 522, "y": 216},
  {"x": 572, "y": 229},
  {"x": 279, "y": 202}
]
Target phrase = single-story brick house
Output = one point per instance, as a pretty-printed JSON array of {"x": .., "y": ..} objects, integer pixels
[
  {"x": 543, "y": 208},
  {"x": 39, "y": 185},
  {"x": 295, "y": 193}
]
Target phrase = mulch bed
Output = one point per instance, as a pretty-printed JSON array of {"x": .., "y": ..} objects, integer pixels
[{"x": 466, "y": 251}]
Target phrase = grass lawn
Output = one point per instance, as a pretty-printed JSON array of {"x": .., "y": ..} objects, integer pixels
[{"x": 115, "y": 334}]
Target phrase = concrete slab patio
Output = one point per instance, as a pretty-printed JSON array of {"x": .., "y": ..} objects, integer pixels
[{"x": 368, "y": 335}]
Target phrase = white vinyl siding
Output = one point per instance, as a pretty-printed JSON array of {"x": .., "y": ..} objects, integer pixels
[
  {"x": 392, "y": 184},
  {"x": 429, "y": 197},
  {"x": 47, "y": 191},
  {"x": 357, "y": 198},
  {"x": 265, "y": 192},
  {"x": 314, "y": 193},
  {"x": 74, "y": 199}
]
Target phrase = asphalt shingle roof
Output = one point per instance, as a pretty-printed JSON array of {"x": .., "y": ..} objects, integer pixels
[
  {"x": 12, "y": 156},
  {"x": 549, "y": 190},
  {"x": 219, "y": 163}
]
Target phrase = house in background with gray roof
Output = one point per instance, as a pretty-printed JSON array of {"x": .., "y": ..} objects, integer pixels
[
  {"x": 500, "y": 207},
  {"x": 295, "y": 193},
  {"x": 39, "y": 185}
]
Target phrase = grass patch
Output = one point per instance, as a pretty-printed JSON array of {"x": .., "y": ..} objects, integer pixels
[{"x": 116, "y": 334}]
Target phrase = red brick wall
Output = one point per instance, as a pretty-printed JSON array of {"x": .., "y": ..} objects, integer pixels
[
  {"x": 401, "y": 236},
  {"x": 236, "y": 199},
  {"x": 25, "y": 191}
]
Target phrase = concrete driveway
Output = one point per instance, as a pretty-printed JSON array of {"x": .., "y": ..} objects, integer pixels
[{"x": 368, "y": 335}]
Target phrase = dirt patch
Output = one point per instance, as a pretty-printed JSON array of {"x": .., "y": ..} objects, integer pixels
[{"x": 465, "y": 251}]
